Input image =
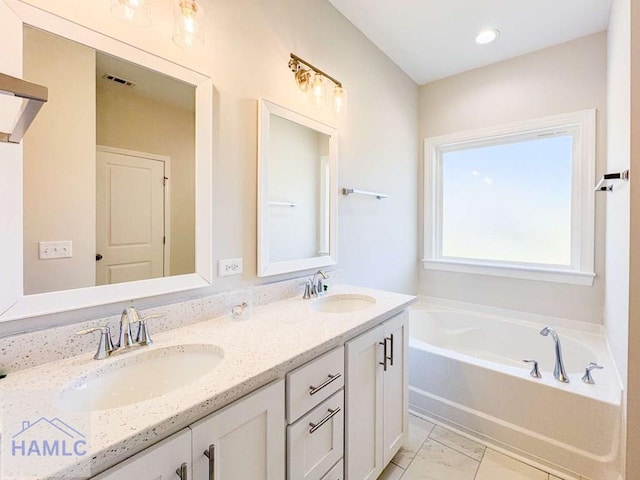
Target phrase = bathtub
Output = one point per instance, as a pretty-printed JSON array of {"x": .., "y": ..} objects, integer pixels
[{"x": 466, "y": 370}]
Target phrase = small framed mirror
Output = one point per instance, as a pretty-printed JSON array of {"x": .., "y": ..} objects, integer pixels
[{"x": 297, "y": 191}]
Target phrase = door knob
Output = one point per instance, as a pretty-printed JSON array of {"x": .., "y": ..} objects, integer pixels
[{"x": 98, "y": 257}]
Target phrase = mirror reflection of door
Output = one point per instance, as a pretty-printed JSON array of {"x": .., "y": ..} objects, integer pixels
[
  {"x": 96, "y": 99},
  {"x": 131, "y": 208}
]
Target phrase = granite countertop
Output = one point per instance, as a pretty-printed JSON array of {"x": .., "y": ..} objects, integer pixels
[{"x": 275, "y": 339}]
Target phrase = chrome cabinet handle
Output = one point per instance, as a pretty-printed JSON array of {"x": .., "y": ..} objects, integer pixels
[
  {"x": 210, "y": 454},
  {"x": 313, "y": 390},
  {"x": 390, "y": 358},
  {"x": 316, "y": 426},
  {"x": 182, "y": 472},
  {"x": 384, "y": 354}
]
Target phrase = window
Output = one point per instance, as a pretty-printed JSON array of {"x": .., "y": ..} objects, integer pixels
[{"x": 515, "y": 200}]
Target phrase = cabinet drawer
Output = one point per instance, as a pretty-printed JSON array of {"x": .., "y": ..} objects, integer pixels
[
  {"x": 336, "y": 473},
  {"x": 314, "y": 382},
  {"x": 316, "y": 441}
]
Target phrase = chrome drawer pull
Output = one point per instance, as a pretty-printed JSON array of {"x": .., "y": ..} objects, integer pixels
[
  {"x": 210, "y": 454},
  {"x": 313, "y": 390},
  {"x": 316, "y": 426},
  {"x": 182, "y": 472}
]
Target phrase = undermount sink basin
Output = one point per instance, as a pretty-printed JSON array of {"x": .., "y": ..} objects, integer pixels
[
  {"x": 139, "y": 376},
  {"x": 343, "y": 303}
]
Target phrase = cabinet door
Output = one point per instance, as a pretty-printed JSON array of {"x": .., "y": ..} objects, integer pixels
[
  {"x": 396, "y": 386},
  {"x": 158, "y": 462},
  {"x": 245, "y": 440},
  {"x": 363, "y": 454}
]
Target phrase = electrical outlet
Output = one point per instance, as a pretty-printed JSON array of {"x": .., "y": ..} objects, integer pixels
[
  {"x": 230, "y": 266},
  {"x": 49, "y": 250}
]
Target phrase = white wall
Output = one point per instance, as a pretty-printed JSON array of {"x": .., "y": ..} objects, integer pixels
[
  {"x": 616, "y": 302},
  {"x": 561, "y": 79},
  {"x": 59, "y": 163},
  {"x": 246, "y": 53},
  {"x": 10, "y": 170},
  {"x": 633, "y": 375}
]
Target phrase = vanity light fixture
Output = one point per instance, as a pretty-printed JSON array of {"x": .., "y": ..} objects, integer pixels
[
  {"x": 487, "y": 36},
  {"x": 133, "y": 12},
  {"x": 315, "y": 82},
  {"x": 30, "y": 96},
  {"x": 188, "y": 24}
]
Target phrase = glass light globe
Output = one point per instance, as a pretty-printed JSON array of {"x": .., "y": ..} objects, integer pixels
[
  {"x": 188, "y": 24},
  {"x": 318, "y": 90},
  {"x": 339, "y": 100},
  {"x": 133, "y": 12}
]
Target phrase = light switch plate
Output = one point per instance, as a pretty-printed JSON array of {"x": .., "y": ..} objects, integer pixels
[{"x": 59, "y": 249}]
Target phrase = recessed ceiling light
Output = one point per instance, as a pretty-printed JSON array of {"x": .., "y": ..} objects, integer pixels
[{"x": 487, "y": 36}]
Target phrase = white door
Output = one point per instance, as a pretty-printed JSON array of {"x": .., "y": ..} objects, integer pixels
[
  {"x": 130, "y": 213},
  {"x": 364, "y": 394},
  {"x": 245, "y": 440},
  {"x": 157, "y": 462},
  {"x": 396, "y": 386}
]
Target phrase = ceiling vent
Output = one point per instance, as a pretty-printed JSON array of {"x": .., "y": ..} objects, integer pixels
[{"x": 120, "y": 80}]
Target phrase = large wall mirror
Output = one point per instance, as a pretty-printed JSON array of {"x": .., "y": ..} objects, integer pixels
[
  {"x": 116, "y": 172},
  {"x": 297, "y": 192}
]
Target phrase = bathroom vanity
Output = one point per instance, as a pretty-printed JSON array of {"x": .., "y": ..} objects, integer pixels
[{"x": 304, "y": 389}]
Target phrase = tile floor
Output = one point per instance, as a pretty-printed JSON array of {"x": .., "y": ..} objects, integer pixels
[{"x": 435, "y": 453}]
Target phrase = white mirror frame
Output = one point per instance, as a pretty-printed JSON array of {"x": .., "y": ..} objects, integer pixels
[
  {"x": 265, "y": 266},
  {"x": 13, "y": 303}
]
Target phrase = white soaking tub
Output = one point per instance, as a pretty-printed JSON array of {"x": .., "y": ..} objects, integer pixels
[{"x": 466, "y": 369}]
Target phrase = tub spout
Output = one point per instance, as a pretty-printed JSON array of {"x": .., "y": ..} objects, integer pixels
[{"x": 558, "y": 372}]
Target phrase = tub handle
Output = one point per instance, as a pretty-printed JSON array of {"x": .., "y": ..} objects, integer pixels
[
  {"x": 587, "y": 378},
  {"x": 384, "y": 355},
  {"x": 535, "y": 371}
]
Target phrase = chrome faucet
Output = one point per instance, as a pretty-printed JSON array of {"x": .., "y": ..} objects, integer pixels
[
  {"x": 558, "y": 372},
  {"x": 128, "y": 317},
  {"x": 314, "y": 287},
  {"x": 317, "y": 285}
]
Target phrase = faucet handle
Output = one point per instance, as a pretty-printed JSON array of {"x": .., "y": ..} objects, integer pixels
[
  {"x": 535, "y": 371},
  {"x": 587, "y": 378},
  {"x": 143, "y": 337},
  {"x": 105, "y": 347},
  {"x": 307, "y": 290}
]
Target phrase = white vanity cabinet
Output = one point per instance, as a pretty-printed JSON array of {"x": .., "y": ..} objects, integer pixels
[
  {"x": 346, "y": 417},
  {"x": 245, "y": 440},
  {"x": 376, "y": 397},
  {"x": 161, "y": 461}
]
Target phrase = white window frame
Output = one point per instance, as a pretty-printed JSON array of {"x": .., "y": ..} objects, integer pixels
[{"x": 581, "y": 271}]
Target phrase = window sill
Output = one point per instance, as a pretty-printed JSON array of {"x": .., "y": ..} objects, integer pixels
[{"x": 512, "y": 271}]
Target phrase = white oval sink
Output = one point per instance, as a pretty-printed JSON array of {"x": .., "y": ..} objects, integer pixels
[
  {"x": 343, "y": 303},
  {"x": 138, "y": 377}
]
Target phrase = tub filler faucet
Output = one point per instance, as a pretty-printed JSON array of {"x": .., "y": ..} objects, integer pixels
[{"x": 559, "y": 371}]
